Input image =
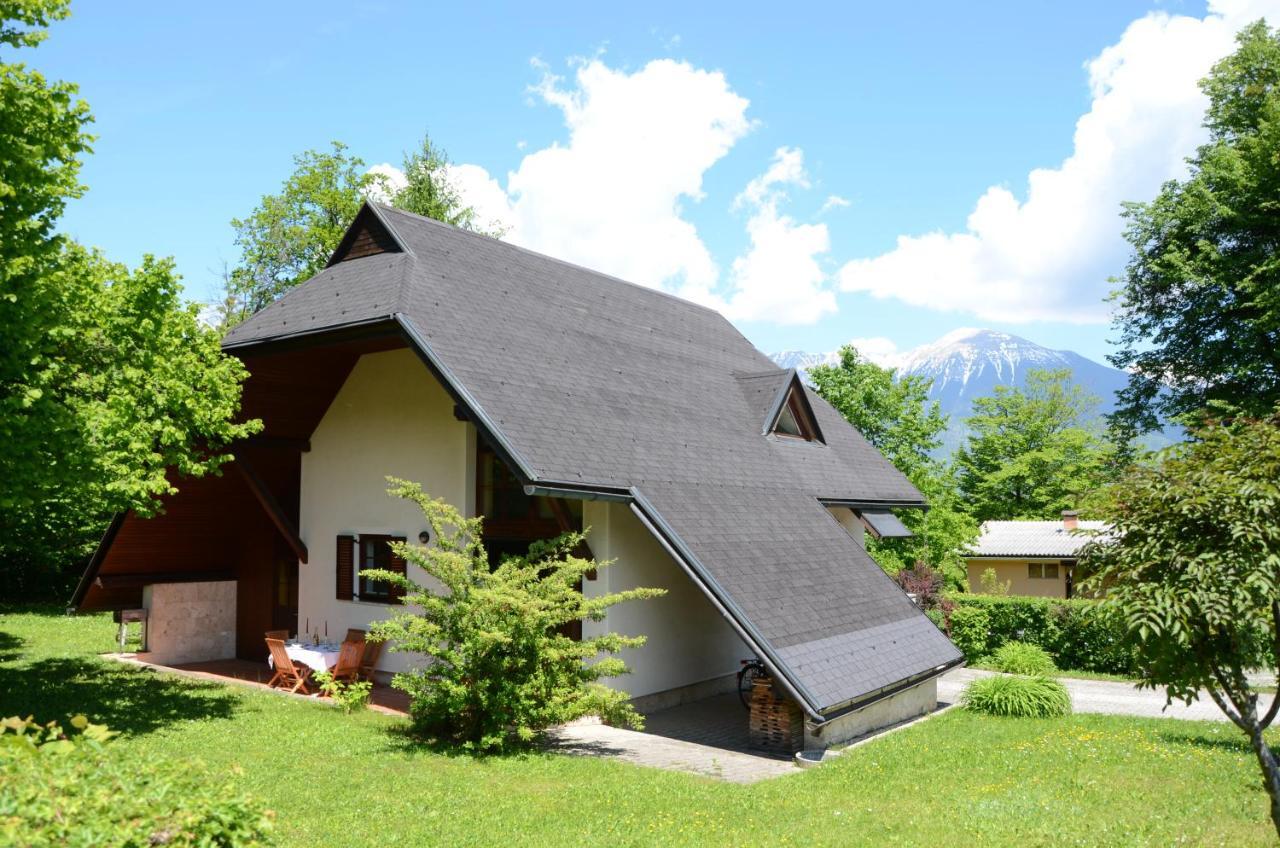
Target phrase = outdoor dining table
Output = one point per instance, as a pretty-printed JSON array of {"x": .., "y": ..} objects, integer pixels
[{"x": 320, "y": 657}]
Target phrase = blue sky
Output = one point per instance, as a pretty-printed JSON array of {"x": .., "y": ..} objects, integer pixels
[{"x": 901, "y": 122}]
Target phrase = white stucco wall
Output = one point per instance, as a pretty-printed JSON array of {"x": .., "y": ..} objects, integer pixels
[
  {"x": 906, "y": 705},
  {"x": 391, "y": 417},
  {"x": 851, "y": 523},
  {"x": 688, "y": 641}
]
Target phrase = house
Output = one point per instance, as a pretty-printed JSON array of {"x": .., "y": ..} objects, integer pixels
[
  {"x": 1037, "y": 558},
  {"x": 545, "y": 397}
]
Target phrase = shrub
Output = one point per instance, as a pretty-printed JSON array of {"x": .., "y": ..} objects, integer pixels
[
  {"x": 1078, "y": 634},
  {"x": 350, "y": 696},
  {"x": 991, "y": 584},
  {"x": 501, "y": 667},
  {"x": 1022, "y": 658},
  {"x": 969, "y": 628},
  {"x": 1016, "y": 695},
  {"x": 68, "y": 788}
]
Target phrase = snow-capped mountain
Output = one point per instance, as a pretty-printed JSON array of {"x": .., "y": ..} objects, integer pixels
[{"x": 969, "y": 363}]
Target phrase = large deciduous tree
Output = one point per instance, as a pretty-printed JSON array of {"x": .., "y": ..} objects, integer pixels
[
  {"x": 290, "y": 235},
  {"x": 106, "y": 377},
  {"x": 894, "y": 414},
  {"x": 1029, "y": 452},
  {"x": 1198, "y": 308},
  {"x": 1194, "y": 566}
]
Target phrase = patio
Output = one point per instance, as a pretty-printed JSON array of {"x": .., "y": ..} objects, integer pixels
[{"x": 383, "y": 698}]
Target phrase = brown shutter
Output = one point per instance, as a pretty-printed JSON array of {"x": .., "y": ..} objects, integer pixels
[
  {"x": 398, "y": 566},
  {"x": 346, "y": 567}
]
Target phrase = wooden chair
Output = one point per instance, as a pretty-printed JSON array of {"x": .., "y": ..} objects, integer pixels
[
  {"x": 282, "y": 635},
  {"x": 348, "y": 666},
  {"x": 289, "y": 675},
  {"x": 354, "y": 634},
  {"x": 372, "y": 650}
]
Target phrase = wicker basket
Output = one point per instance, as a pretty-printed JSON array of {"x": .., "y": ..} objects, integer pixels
[{"x": 776, "y": 722}]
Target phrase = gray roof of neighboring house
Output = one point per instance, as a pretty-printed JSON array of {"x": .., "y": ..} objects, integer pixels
[
  {"x": 1034, "y": 538},
  {"x": 593, "y": 383}
]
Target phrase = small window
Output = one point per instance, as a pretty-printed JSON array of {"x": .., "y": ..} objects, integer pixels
[
  {"x": 375, "y": 553},
  {"x": 1042, "y": 570},
  {"x": 794, "y": 420}
]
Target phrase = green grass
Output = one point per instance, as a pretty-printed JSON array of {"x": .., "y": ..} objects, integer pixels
[{"x": 339, "y": 780}]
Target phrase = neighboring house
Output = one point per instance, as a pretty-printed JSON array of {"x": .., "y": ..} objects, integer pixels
[
  {"x": 1038, "y": 558},
  {"x": 545, "y": 397}
]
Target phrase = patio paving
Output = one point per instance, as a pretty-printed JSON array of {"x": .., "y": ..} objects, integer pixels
[{"x": 706, "y": 737}]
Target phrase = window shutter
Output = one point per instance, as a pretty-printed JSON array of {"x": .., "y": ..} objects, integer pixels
[
  {"x": 398, "y": 566},
  {"x": 346, "y": 567}
]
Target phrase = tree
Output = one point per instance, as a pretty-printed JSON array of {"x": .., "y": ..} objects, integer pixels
[
  {"x": 1198, "y": 307},
  {"x": 1194, "y": 567},
  {"x": 1029, "y": 453},
  {"x": 501, "y": 670},
  {"x": 894, "y": 414},
  {"x": 106, "y": 378},
  {"x": 290, "y": 236}
]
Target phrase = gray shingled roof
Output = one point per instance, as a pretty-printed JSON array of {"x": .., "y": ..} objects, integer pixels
[
  {"x": 597, "y": 383},
  {"x": 1034, "y": 538}
]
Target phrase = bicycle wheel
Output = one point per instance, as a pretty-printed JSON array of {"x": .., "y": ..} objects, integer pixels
[{"x": 746, "y": 678}]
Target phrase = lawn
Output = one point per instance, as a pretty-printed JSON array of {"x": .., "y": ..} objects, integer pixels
[{"x": 340, "y": 780}]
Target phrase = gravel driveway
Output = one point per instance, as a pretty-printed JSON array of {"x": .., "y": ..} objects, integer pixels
[{"x": 1100, "y": 696}]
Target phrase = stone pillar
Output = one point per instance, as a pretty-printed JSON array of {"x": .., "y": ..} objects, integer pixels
[{"x": 190, "y": 622}]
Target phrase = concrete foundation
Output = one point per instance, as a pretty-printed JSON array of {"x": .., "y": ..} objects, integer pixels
[
  {"x": 190, "y": 622},
  {"x": 669, "y": 698},
  {"x": 919, "y": 700}
]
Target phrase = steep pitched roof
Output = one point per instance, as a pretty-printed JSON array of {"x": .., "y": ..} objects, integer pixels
[
  {"x": 1034, "y": 538},
  {"x": 590, "y": 382}
]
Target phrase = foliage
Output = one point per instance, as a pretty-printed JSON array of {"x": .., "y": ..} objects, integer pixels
[
  {"x": 1028, "y": 453},
  {"x": 501, "y": 670},
  {"x": 1195, "y": 570},
  {"x": 1198, "y": 307},
  {"x": 351, "y": 695},
  {"x": 927, "y": 585},
  {"x": 989, "y": 583},
  {"x": 1023, "y": 658},
  {"x": 993, "y": 782},
  {"x": 894, "y": 414},
  {"x": 290, "y": 236},
  {"x": 68, "y": 788},
  {"x": 968, "y": 629},
  {"x": 1079, "y": 634},
  {"x": 1017, "y": 696},
  {"x": 106, "y": 377}
]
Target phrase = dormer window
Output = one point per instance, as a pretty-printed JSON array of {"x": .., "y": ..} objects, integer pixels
[{"x": 795, "y": 419}]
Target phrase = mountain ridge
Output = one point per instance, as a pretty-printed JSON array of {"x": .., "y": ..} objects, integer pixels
[{"x": 970, "y": 362}]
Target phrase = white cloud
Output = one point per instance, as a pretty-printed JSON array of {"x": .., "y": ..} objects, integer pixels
[
  {"x": 880, "y": 350},
  {"x": 834, "y": 201},
  {"x": 611, "y": 197},
  {"x": 1048, "y": 256},
  {"x": 780, "y": 278}
]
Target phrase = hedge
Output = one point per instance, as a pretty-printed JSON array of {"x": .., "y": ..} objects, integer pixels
[{"x": 1079, "y": 634}]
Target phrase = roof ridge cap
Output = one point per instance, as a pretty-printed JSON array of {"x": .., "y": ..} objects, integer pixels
[{"x": 531, "y": 252}]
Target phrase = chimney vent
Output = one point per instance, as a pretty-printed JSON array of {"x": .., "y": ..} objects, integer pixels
[{"x": 1070, "y": 519}]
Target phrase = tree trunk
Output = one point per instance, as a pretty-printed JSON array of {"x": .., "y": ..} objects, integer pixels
[{"x": 1270, "y": 771}]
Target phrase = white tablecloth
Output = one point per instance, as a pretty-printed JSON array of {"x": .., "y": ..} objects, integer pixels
[{"x": 318, "y": 657}]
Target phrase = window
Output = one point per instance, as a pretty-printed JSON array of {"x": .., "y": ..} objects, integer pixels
[
  {"x": 1042, "y": 570},
  {"x": 375, "y": 552},
  {"x": 794, "y": 420}
]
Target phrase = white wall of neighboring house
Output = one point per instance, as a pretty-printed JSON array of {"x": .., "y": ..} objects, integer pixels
[
  {"x": 688, "y": 641},
  {"x": 391, "y": 417}
]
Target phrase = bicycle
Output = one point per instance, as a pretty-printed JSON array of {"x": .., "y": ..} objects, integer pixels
[{"x": 752, "y": 670}]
